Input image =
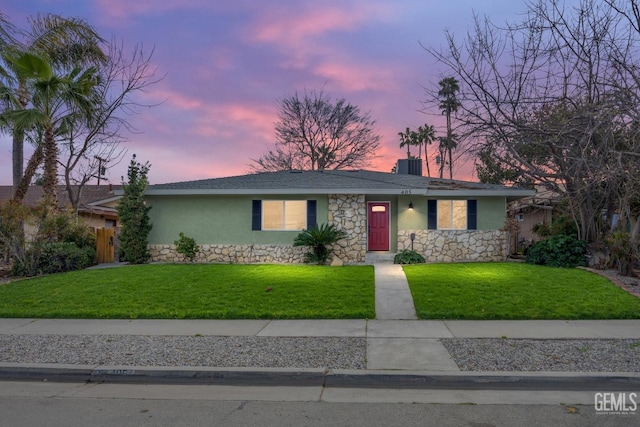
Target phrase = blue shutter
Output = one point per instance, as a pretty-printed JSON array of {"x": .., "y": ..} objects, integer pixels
[
  {"x": 472, "y": 214},
  {"x": 312, "y": 220},
  {"x": 256, "y": 214},
  {"x": 432, "y": 214}
]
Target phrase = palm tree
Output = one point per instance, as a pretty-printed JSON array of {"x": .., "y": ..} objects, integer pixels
[
  {"x": 54, "y": 99},
  {"x": 405, "y": 141},
  {"x": 448, "y": 104},
  {"x": 426, "y": 136},
  {"x": 66, "y": 43}
]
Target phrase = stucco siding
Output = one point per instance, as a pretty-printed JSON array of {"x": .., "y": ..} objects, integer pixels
[
  {"x": 217, "y": 219},
  {"x": 492, "y": 213}
]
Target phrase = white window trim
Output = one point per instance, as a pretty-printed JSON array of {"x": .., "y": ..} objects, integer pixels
[
  {"x": 284, "y": 216},
  {"x": 466, "y": 215}
]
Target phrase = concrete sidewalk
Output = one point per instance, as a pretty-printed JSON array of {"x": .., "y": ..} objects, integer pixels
[{"x": 405, "y": 345}]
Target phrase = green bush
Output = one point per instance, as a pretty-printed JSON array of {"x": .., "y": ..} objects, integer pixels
[
  {"x": 562, "y": 225},
  {"x": 622, "y": 252},
  {"x": 319, "y": 238},
  {"x": 408, "y": 257},
  {"x": 65, "y": 256},
  {"x": 62, "y": 242},
  {"x": 28, "y": 263},
  {"x": 558, "y": 251},
  {"x": 68, "y": 228},
  {"x": 187, "y": 246}
]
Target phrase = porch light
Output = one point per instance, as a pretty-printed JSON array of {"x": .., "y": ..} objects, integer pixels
[{"x": 410, "y": 205}]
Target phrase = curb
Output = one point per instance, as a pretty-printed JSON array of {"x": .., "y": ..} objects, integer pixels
[{"x": 575, "y": 381}]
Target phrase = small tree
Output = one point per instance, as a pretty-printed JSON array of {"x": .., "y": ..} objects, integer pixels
[
  {"x": 134, "y": 215},
  {"x": 319, "y": 238}
]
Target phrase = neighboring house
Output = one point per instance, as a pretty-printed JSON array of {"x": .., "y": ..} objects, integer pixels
[
  {"x": 97, "y": 202},
  {"x": 537, "y": 209},
  {"x": 255, "y": 218}
]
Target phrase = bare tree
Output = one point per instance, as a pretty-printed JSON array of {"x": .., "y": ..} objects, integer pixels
[
  {"x": 281, "y": 158},
  {"x": 89, "y": 147},
  {"x": 555, "y": 97},
  {"x": 313, "y": 132}
]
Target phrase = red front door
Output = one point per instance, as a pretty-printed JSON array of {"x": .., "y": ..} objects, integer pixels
[{"x": 378, "y": 226}]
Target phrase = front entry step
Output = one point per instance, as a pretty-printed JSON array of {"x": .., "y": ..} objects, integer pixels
[{"x": 379, "y": 257}]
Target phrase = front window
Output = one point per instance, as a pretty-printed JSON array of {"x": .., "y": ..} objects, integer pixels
[
  {"x": 284, "y": 214},
  {"x": 452, "y": 214}
]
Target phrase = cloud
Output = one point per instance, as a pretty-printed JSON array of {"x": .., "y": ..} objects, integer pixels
[
  {"x": 231, "y": 120},
  {"x": 125, "y": 9},
  {"x": 353, "y": 76},
  {"x": 174, "y": 99},
  {"x": 301, "y": 30},
  {"x": 293, "y": 27}
]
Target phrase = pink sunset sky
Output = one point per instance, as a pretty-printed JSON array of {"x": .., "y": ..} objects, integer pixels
[{"x": 226, "y": 64}]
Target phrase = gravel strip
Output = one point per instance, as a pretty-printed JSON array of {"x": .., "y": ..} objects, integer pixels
[
  {"x": 242, "y": 351},
  {"x": 585, "y": 355}
]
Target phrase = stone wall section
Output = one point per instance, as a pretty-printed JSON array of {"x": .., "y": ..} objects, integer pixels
[
  {"x": 234, "y": 254},
  {"x": 456, "y": 245},
  {"x": 349, "y": 213}
]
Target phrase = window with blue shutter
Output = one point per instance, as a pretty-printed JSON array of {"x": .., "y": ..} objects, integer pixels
[
  {"x": 432, "y": 214},
  {"x": 472, "y": 214},
  {"x": 256, "y": 214},
  {"x": 312, "y": 220}
]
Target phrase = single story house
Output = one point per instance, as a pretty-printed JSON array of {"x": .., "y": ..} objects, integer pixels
[{"x": 255, "y": 218}]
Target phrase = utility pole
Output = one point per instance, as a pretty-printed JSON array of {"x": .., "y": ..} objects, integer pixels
[{"x": 100, "y": 172}]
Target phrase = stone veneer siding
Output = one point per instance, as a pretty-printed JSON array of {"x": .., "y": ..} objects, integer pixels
[
  {"x": 237, "y": 254},
  {"x": 346, "y": 211},
  {"x": 456, "y": 245},
  {"x": 349, "y": 213}
]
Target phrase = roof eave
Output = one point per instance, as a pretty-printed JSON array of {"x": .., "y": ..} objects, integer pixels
[{"x": 512, "y": 194}]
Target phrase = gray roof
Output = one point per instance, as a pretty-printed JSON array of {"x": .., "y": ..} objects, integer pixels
[
  {"x": 90, "y": 196},
  {"x": 335, "y": 182}
]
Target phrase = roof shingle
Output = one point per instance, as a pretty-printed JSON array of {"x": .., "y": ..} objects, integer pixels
[{"x": 329, "y": 181}]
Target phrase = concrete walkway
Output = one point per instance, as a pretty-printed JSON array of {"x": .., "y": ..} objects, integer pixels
[{"x": 393, "y": 297}]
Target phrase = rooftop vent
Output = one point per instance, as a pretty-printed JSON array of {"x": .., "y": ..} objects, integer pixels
[{"x": 409, "y": 167}]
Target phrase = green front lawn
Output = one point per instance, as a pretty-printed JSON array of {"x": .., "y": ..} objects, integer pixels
[
  {"x": 196, "y": 291},
  {"x": 515, "y": 291}
]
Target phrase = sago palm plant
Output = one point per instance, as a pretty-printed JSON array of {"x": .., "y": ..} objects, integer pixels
[{"x": 319, "y": 238}]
